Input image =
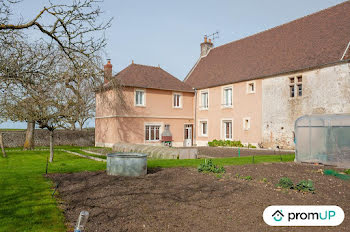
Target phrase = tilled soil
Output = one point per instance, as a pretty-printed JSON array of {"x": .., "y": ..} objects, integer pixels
[{"x": 181, "y": 199}]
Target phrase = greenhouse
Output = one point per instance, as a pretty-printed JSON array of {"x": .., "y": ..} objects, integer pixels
[{"x": 323, "y": 139}]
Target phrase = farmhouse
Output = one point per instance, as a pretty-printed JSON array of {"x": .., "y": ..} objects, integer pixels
[
  {"x": 250, "y": 90},
  {"x": 153, "y": 99}
]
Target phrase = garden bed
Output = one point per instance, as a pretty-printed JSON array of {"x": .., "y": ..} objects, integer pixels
[{"x": 182, "y": 199}]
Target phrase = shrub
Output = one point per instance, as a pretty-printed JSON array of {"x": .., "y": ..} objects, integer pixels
[
  {"x": 347, "y": 171},
  {"x": 209, "y": 166},
  {"x": 225, "y": 143},
  {"x": 251, "y": 146},
  {"x": 305, "y": 185},
  {"x": 285, "y": 182}
]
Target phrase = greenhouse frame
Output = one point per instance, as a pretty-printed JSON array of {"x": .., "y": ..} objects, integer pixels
[{"x": 323, "y": 139}]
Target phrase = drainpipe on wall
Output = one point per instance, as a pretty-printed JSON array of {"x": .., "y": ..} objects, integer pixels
[{"x": 195, "y": 118}]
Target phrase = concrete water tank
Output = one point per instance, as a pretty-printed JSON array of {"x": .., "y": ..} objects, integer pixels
[{"x": 127, "y": 164}]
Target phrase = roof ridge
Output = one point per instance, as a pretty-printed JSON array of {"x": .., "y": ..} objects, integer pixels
[
  {"x": 278, "y": 26},
  {"x": 150, "y": 66}
]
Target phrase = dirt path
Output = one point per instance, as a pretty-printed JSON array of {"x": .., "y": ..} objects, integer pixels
[{"x": 181, "y": 199}]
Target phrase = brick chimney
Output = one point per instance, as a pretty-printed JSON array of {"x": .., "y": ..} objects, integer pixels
[
  {"x": 206, "y": 46},
  {"x": 107, "y": 71}
]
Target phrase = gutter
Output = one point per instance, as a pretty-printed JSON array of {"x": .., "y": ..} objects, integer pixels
[{"x": 195, "y": 119}]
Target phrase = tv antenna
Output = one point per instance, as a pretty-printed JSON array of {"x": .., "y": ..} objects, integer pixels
[{"x": 213, "y": 36}]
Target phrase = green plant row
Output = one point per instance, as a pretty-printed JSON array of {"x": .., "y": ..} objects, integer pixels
[
  {"x": 304, "y": 185},
  {"x": 228, "y": 143},
  {"x": 209, "y": 166}
]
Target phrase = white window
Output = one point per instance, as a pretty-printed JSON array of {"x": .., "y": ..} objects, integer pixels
[
  {"x": 251, "y": 87},
  {"x": 152, "y": 132},
  {"x": 177, "y": 100},
  {"x": 140, "y": 97},
  {"x": 246, "y": 123},
  {"x": 204, "y": 99},
  {"x": 203, "y": 128},
  {"x": 227, "y": 129},
  {"x": 227, "y": 97}
]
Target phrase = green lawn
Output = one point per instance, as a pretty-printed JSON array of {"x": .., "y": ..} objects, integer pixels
[{"x": 25, "y": 194}]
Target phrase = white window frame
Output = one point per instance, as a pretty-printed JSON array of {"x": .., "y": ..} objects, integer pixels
[
  {"x": 223, "y": 98},
  {"x": 222, "y": 129},
  {"x": 173, "y": 100},
  {"x": 200, "y": 127},
  {"x": 244, "y": 127},
  {"x": 200, "y": 99},
  {"x": 153, "y": 124},
  {"x": 144, "y": 97},
  {"x": 249, "y": 91}
]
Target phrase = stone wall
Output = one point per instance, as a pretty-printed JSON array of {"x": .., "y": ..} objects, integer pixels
[
  {"x": 42, "y": 138},
  {"x": 325, "y": 91}
]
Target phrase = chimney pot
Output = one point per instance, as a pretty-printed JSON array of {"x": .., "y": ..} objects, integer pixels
[
  {"x": 107, "y": 71},
  {"x": 205, "y": 47}
]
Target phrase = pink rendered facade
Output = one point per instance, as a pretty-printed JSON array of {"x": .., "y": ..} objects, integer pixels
[
  {"x": 225, "y": 119},
  {"x": 142, "y": 123},
  {"x": 233, "y": 113}
]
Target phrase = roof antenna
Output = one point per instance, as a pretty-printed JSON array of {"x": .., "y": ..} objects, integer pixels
[{"x": 213, "y": 36}]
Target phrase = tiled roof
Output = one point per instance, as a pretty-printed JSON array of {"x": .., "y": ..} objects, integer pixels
[
  {"x": 312, "y": 41},
  {"x": 142, "y": 76}
]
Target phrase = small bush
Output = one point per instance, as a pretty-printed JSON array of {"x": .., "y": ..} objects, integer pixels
[
  {"x": 209, "y": 166},
  {"x": 305, "y": 185},
  {"x": 225, "y": 143},
  {"x": 285, "y": 182},
  {"x": 347, "y": 171},
  {"x": 251, "y": 146}
]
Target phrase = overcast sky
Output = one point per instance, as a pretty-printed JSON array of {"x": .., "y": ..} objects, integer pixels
[{"x": 169, "y": 32}]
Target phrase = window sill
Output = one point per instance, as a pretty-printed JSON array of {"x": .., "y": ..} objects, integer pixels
[
  {"x": 251, "y": 92},
  {"x": 226, "y": 107},
  {"x": 140, "y": 105},
  {"x": 203, "y": 109},
  {"x": 179, "y": 108},
  {"x": 203, "y": 136}
]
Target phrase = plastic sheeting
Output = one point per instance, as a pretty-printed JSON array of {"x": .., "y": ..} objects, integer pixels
[{"x": 323, "y": 139}]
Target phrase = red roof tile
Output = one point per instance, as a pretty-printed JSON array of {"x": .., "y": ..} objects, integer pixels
[
  {"x": 142, "y": 76},
  {"x": 314, "y": 40}
]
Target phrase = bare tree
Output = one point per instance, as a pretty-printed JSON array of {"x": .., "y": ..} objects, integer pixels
[{"x": 70, "y": 28}]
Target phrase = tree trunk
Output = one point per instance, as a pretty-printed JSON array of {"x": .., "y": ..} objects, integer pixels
[
  {"x": 29, "y": 143},
  {"x": 2, "y": 146},
  {"x": 51, "y": 146}
]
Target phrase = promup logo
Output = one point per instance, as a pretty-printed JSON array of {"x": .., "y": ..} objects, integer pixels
[
  {"x": 303, "y": 215},
  {"x": 278, "y": 215}
]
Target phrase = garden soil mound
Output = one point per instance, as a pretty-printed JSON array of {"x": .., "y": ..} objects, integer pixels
[{"x": 181, "y": 199}]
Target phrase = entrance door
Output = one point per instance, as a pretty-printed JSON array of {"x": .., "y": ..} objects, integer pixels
[{"x": 188, "y": 135}]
